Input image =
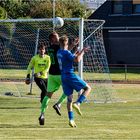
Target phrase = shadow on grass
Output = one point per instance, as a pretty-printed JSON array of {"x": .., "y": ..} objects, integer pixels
[
  {"x": 18, "y": 126},
  {"x": 29, "y": 126},
  {"x": 18, "y": 107}
]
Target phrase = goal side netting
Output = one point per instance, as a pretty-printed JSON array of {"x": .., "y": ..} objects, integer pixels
[{"x": 19, "y": 40}]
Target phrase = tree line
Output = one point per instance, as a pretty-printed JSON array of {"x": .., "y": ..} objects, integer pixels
[{"x": 15, "y": 9}]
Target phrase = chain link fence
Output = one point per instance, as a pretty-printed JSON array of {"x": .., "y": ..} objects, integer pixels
[{"x": 125, "y": 72}]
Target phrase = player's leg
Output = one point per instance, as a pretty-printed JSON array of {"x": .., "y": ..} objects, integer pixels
[
  {"x": 68, "y": 90},
  {"x": 43, "y": 109},
  {"x": 47, "y": 98},
  {"x": 86, "y": 90},
  {"x": 42, "y": 84},
  {"x": 77, "y": 83},
  {"x": 51, "y": 88},
  {"x": 61, "y": 99},
  {"x": 46, "y": 101},
  {"x": 70, "y": 112},
  {"x": 57, "y": 105},
  {"x": 84, "y": 94},
  {"x": 82, "y": 98}
]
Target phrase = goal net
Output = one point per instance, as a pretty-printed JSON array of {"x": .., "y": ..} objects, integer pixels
[
  {"x": 94, "y": 67},
  {"x": 19, "y": 40}
]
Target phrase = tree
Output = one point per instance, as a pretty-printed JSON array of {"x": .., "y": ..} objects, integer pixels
[
  {"x": 3, "y": 13},
  {"x": 43, "y": 8},
  {"x": 63, "y": 8},
  {"x": 17, "y": 8}
]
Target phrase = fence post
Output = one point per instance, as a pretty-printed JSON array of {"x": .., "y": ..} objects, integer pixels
[
  {"x": 125, "y": 72},
  {"x": 36, "y": 46}
]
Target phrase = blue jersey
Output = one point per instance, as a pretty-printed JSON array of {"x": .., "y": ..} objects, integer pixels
[
  {"x": 65, "y": 60},
  {"x": 70, "y": 81}
]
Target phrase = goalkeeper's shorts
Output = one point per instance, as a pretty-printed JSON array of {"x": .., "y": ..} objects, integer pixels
[
  {"x": 72, "y": 82},
  {"x": 54, "y": 83}
]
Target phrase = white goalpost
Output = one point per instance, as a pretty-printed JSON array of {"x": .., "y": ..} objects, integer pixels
[{"x": 19, "y": 41}]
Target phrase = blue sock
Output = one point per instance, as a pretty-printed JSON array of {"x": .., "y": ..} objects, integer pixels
[
  {"x": 81, "y": 98},
  {"x": 70, "y": 115}
]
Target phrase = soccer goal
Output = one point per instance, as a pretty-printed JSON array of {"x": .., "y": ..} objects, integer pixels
[{"x": 19, "y": 40}]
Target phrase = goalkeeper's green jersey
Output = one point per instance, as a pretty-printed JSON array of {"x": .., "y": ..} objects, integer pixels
[{"x": 40, "y": 64}]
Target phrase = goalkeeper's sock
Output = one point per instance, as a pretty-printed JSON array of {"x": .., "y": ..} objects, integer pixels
[
  {"x": 42, "y": 115},
  {"x": 44, "y": 104},
  {"x": 61, "y": 99},
  {"x": 81, "y": 99}
]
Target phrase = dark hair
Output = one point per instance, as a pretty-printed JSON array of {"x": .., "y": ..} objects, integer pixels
[
  {"x": 52, "y": 35},
  {"x": 41, "y": 45}
]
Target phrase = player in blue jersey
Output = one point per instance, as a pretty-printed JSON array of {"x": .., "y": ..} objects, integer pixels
[{"x": 71, "y": 81}]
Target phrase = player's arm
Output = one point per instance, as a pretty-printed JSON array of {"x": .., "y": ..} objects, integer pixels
[
  {"x": 80, "y": 54},
  {"x": 29, "y": 69}
]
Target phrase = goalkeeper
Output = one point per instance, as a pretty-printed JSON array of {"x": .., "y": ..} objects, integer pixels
[
  {"x": 70, "y": 81},
  {"x": 41, "y": 64}
]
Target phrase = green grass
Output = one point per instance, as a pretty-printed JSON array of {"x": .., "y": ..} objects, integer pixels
[
  {"x": 19, "y": 119},
  {"x": 119, "y": 74},
  {"x": 12, "y": 73},
  {"x": 19, "y": 116}
]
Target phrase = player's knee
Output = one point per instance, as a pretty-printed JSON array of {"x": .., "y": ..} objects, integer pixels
[
  {"x": 87, "y": 87},
  {"x": 69, "y": 100},
  {"x": 49, "y": 94}
]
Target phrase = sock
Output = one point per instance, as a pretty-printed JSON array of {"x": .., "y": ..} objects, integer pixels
[
  {"x": 81, "y": 98},
  {"x": 70, "y": 115},
  {"x": 44, "y": 104},
  {"x": 61, "y": 99},
  {"x": 42, "y": 115}
]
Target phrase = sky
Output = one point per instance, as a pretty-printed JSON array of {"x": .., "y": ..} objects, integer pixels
[{"x": 93, "y": 4}]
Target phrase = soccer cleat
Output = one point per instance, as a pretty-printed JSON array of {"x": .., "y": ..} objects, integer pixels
[
  {"x": 41, "y": 120},
  {"x": 77, "y": 108},
  {"x": 72, "y": 123},
  {"x": 57, "y": 109}
]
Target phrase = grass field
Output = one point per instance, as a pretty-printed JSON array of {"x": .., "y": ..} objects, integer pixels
[
  {"x": 115, "y": 121},
  {"x": 117, "y": 74}
]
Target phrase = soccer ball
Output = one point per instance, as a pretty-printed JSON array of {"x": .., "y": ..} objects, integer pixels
[{"x": 58, "y": 22}]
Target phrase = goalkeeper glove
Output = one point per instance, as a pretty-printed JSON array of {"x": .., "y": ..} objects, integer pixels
[{"x": 28, "y": 80}]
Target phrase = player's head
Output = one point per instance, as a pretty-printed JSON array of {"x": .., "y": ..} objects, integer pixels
[
  {"x": 41, "y": 48},
  {"x": 63, "y": 40},
  {"x": 54, "y": 38}
]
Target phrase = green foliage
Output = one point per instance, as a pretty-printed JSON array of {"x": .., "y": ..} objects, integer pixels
[
  {"x": 16, "y": 9},
  {"x": 43, "y": 8},
  {"x": 3, "y": 13},
  {"x": 70, "y": 8},
  {"x": 63, "y": 8}
]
